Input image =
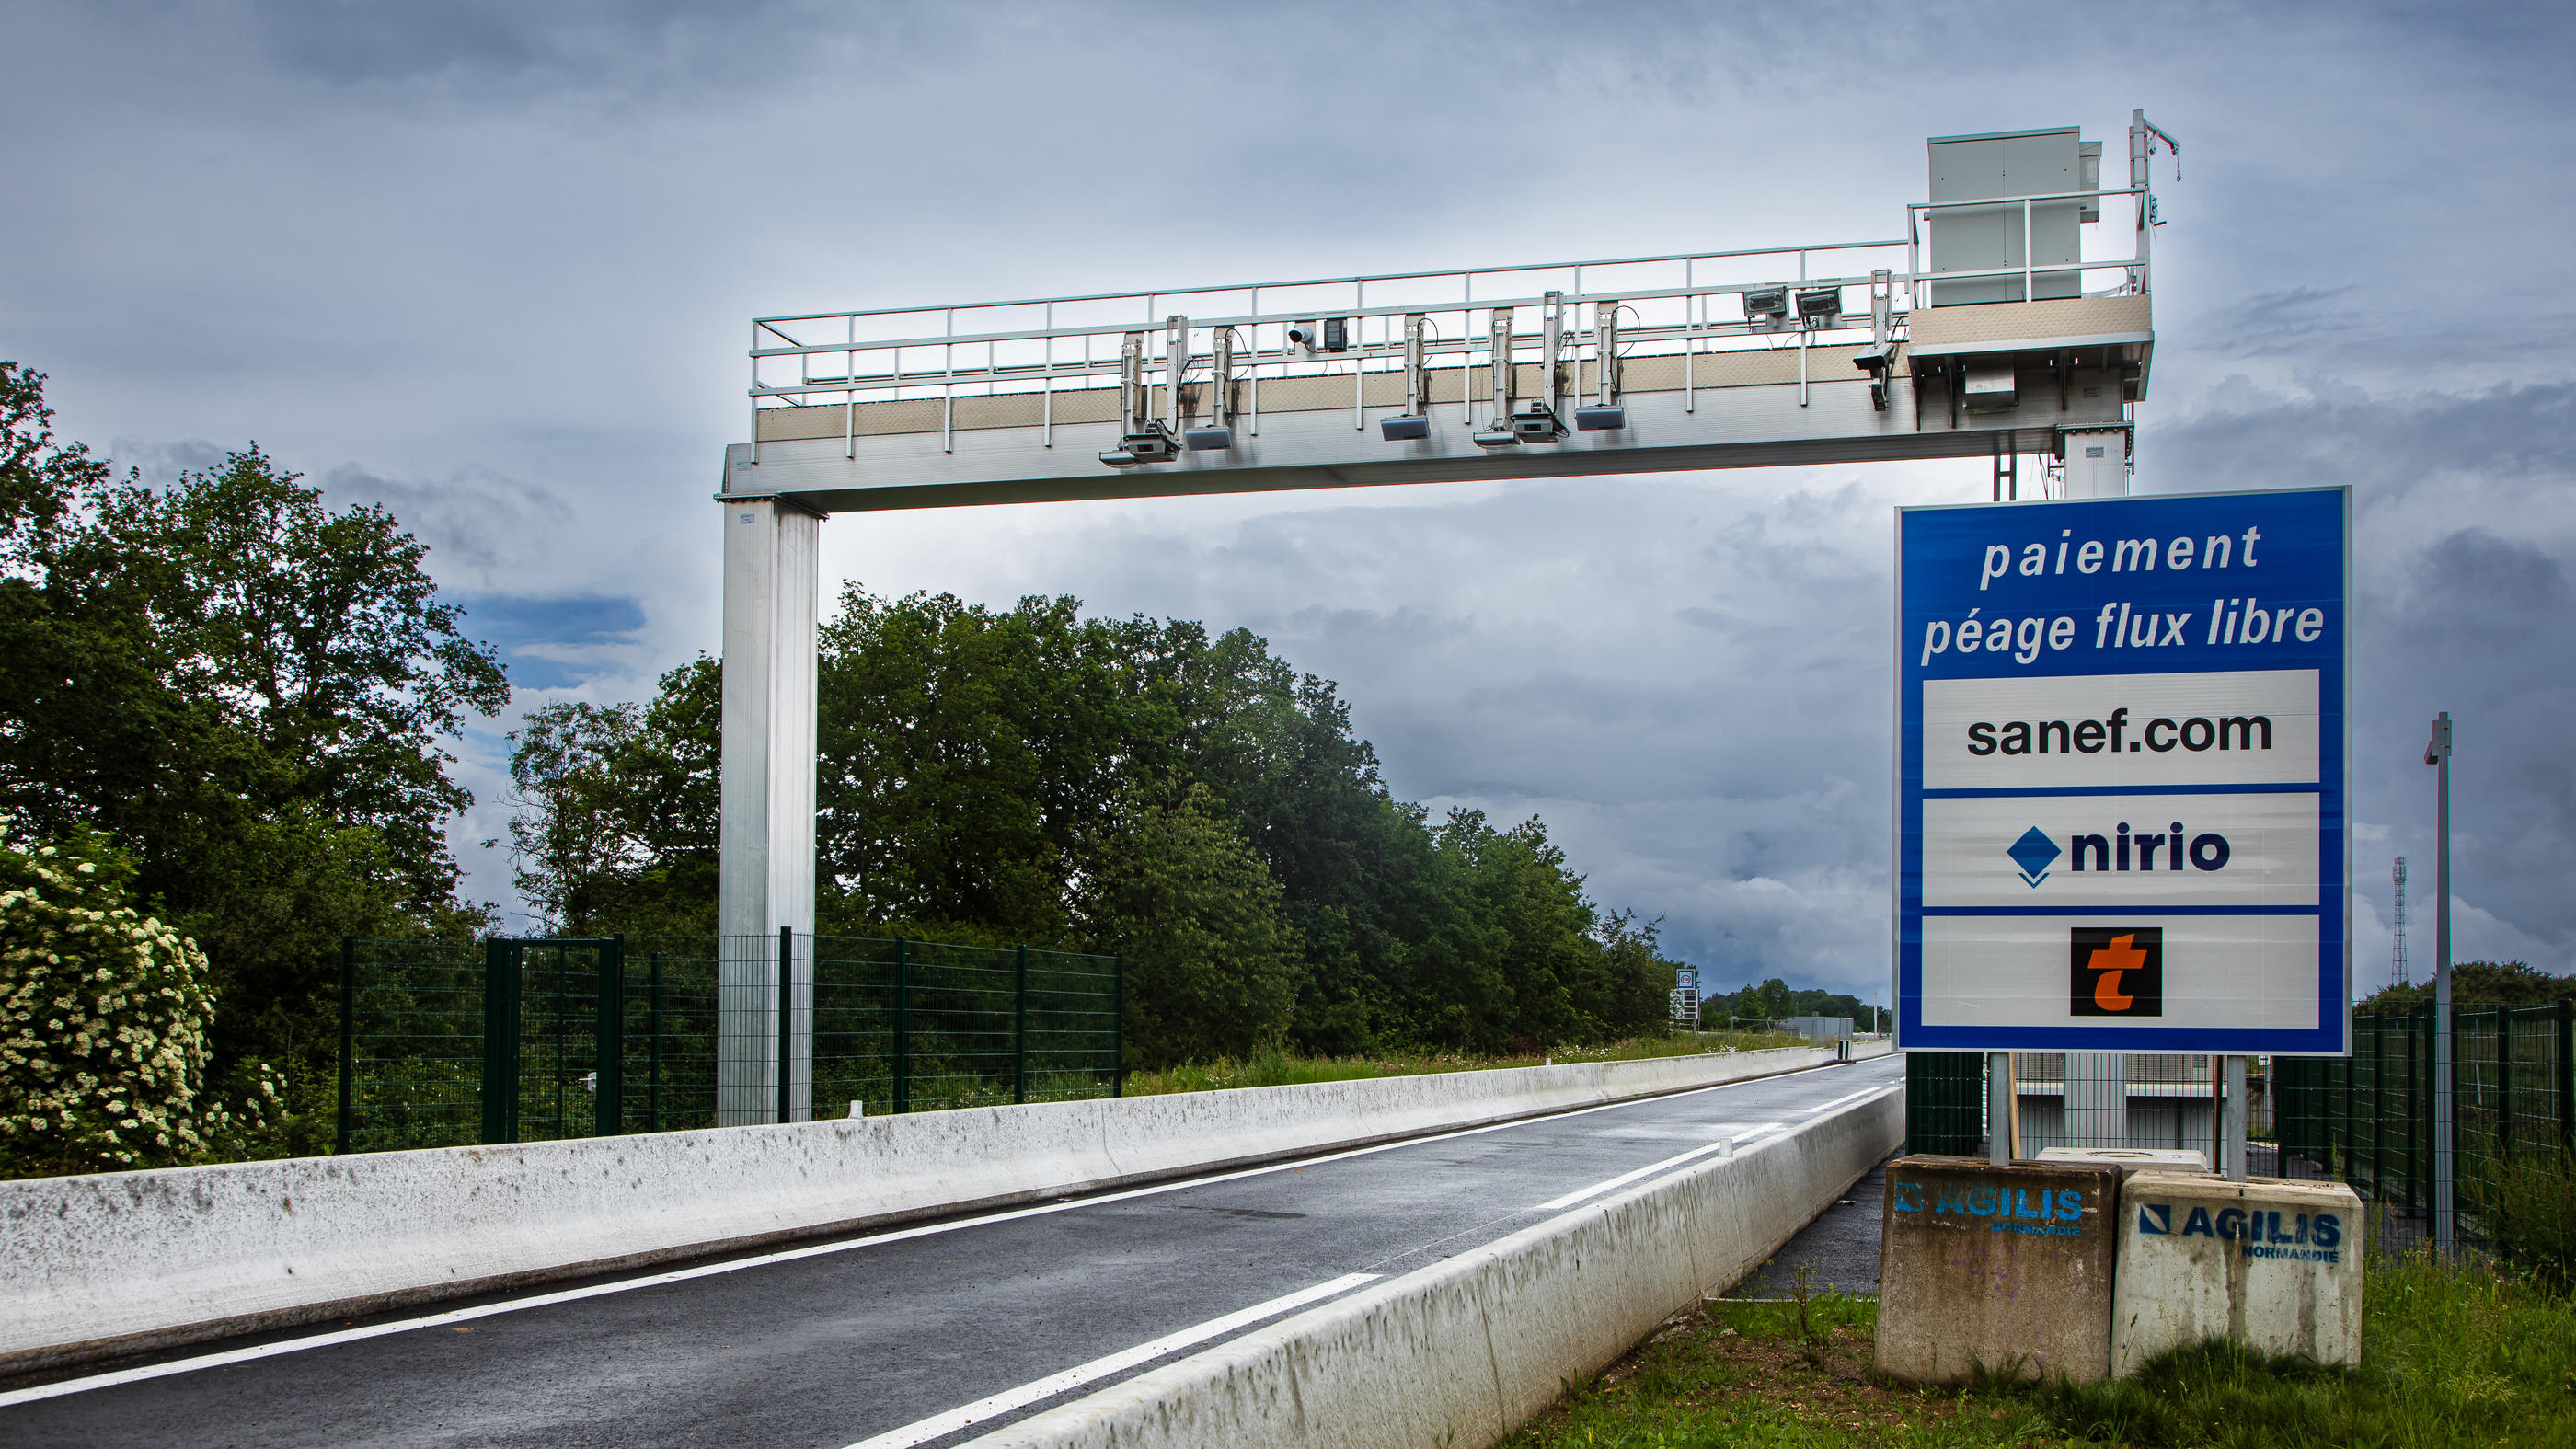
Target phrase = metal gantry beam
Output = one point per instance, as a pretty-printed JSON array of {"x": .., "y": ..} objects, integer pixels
[{"x": 1698, "y": 361}]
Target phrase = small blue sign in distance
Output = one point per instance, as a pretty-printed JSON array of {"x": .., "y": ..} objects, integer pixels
[{"x": 2121, "y": 775}]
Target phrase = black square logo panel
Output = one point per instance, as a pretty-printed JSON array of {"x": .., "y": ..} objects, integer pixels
[{"x": 2116, "y": 971}]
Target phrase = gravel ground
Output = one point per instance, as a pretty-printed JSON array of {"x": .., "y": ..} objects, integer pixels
[{"x": 1841, "y": 1246}]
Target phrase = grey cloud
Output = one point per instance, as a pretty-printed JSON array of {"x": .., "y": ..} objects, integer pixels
[
  {"x": 2472, "y": 617},
  {"x": 476, "y": 522},
  {"x": 504, "y": 254},
  {"x": 160, "y": 463}
]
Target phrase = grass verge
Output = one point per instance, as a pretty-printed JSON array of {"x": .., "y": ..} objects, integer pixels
[
  {"x": 2452, "y": 1355},
  {"x": 1282, "y": 1069}
]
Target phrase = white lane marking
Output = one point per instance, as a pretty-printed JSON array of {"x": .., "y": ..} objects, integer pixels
[
  {"x": 1723, "y": 1144},
  {"x": 454, "y": 1316},
  {"x": 1741, "y": 1137},
  {"x": 1838, "y": 1101},
  {"x": 940, "y": 1425}
]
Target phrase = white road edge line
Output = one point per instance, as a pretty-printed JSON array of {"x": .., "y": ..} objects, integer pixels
[
  {"x": 1723, "y": 1144},
  {"x": 1838, "y": 1101},
  {"x": 965, "y": 1415},
  {"x": 454, "y": 1316}
]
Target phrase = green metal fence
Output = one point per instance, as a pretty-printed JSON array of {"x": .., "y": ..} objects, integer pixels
[
  {"x": 516, "y": 1040},
  {"x": 1945, "y": 1102},
  {"x": 2367, "y": 1119}
]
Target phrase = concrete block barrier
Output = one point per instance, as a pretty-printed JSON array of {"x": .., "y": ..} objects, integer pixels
[
  {"x": 2271, "y": 1264},
  {"x": 114, "y": 1263},
  {"x": 1464, "y": 1351},
  {"x": 2001, "y": 1268}
]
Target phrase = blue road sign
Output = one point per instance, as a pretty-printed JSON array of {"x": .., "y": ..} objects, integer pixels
[{"x": 2121, "y": 775}]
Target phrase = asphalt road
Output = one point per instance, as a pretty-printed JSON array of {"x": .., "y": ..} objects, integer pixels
[{"x": 873, "y": 1339}]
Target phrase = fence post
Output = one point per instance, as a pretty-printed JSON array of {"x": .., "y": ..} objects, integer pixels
[
  {"x": 1020, "y": 1027},
  {"x": 2504, "y": 1084},
  {"x": 348, "y": 993},
  {"x": 902, "y": 1026},
  {"x": 2378, "y": 1108},
  {"x": 786, "y": 1015},
  {"x": 2416, "y": 1104},
  {"x": 1118, "y": 1023},
  {"x": 653, "y": 1050},
  {"x": 609, "y": 1114},
  {"x": 2351, "y": 1141},
  {"x": 500, "y": 1041},
  {"x": 2567, "y": 1072},
  {"x": 2422, "y": 1071}
]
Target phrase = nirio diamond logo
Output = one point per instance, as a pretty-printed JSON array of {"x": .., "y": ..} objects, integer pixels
[{"x": 2034, "y": 853}]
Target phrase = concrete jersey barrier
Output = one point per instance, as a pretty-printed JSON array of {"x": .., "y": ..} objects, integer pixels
[
  {"x": 115, "y": 1263},
  {"x": 1466, "y": 1350}
]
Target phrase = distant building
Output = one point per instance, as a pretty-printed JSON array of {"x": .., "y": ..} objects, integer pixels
[{"x": 1816, "y": 1028}]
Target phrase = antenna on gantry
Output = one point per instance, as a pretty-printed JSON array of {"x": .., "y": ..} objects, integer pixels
[{"x": 2399, "y": 876}]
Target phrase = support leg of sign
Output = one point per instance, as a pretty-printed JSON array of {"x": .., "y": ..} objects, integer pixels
[
  {"x": 1999, "y": 1108},
  {"x": 2235, "y": 1149},
  {"x": 2012, "y": 1073},
  {"x": 766, "y": 802}
]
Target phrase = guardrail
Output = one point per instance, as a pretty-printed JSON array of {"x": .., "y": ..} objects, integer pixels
[
  {"x": 1463, "y": 1352},
  {"x": 106, "y": 1264}
]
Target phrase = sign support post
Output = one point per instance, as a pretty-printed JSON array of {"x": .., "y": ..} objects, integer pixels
[{"x": 2438, "y": 755}]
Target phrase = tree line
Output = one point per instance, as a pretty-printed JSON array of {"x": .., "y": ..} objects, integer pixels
[
  {"x": 1030, "y": 774},
  {"x": 234, "y": 701},
  {"x": 230, "y": 699}
]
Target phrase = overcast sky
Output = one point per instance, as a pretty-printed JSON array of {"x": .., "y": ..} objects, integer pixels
[{"x": 492, "y": 265}]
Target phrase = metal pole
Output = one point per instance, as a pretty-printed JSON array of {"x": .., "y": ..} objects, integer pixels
[
  {"x": 2217, "y": 1114},
  {"x": 2236, "y": 1119},
  {"x": 2445, "y": 1067},
  {"x": 2419, "y": 1072},
  {"x": 611, "y": 1039},
  {"x": 1020, "y": 1026},
  {"x": 765, "y": 809},
  {"x": 1999, "y": 1086},
  {"x": 348, "y": 992},
  {"x": 1118, "y": 1023},
  {"x": 2378, "y": 1105},
  {"x": 2504, "y": 1083},
  {"x": 1555, "y": 342},
  {"x": 2567, "y": 1072},
  {"x": 653, "y": 1051},
  {"x": 562, "y": 1029},
  {"x": 2349, "y": 1137},
  {"x": 902, "y": 1026},
  {"x": 786, "y": 1016},
  {"x": 500, "y": 1041}
]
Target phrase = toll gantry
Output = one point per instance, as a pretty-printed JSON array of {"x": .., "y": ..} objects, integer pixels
[{"x": 2010, "y": 317}]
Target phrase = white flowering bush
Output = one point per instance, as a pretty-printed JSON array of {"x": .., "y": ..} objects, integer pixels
[{"x": 103, "y": 1015}]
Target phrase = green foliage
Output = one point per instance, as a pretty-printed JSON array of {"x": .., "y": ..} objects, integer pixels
[
  {"x": 247, "y": 690},
  {"x": 103, "y": 1016},
  {"x": 1286, "y": 1069},
  {"x": 998, "y": 776},
  {"x": 2527, "y": 1204},
  {"x": 1211, "y": 969},
  {"x": 1774, "y": 999},
  {"x": 2486, "y": 983}
]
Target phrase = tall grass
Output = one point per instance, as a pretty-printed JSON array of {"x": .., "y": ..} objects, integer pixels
[
  {"x": 2454, "y": 1354},
  {"x": 2527, "y": 1204},
  {"x": 1284, "y": 1069}
]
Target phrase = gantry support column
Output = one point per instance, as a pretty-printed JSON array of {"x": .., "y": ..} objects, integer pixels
[
  {"x": 2096, "y": 1101},
  {"x": 766, "y": 807}
]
